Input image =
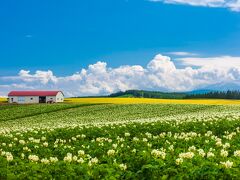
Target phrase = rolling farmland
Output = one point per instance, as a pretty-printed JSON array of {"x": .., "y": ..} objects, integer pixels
[
  {"x": 119, "y": 141},
  {"x": 120, "y": 90}
]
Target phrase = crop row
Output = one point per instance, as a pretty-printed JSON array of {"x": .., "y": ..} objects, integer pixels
[
  {"x": 60, "y": 116},
  {"x": 200, "y": 148}
]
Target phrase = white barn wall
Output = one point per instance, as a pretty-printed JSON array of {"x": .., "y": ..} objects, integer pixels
[
  {"x": 35, "y": 99},
  {"x": 50, "y": 98},
  {"x": 59, "y": 97},
  {"x": 28, "y": 99}
]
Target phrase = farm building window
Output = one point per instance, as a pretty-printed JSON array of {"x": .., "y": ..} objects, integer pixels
[
  {"x": 31, "y": 98},
  {"x": 21, "y": 99}
]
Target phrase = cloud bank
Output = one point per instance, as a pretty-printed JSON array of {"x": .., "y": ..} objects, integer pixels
[
  {"x": 160, "y": 74},
  {"x": 233, "y": 5}
]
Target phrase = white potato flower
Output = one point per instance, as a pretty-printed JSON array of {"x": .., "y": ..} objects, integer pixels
[
  {"x": 68, "y": 157},
  {"x": 187, "y": 155},
  {"x": 74, "y": 158},
  {"x": 22, "y": 155},
  {"x": 93, "y": 161},
  {"x": 111, "y": 152},
  {"x": 9, "y": 156},
  {"x": 149, "y": 145},
  {"x": 135, "y": 139},
  {"x": 219, "y": 143},
  {"x": 179, "y": 161},
  {"x": 171, "y": 148},
  {"x": 210, "y": 154},
  {"x": 22, "y": 142},
  {"x": 80, "y": 160},
  {"x": 53, "y": 159},
  {"x": 226, "y": 145},
  {"x": 237, "y": 153},
  {"x": 127, "y": 134},
  {"x": 192, "y": 148},
  {"x": 45, "y": 144},
  {"x": 123, "y": 167},
  {"x": 157, "y": 154},
  {"x": 45, "y": 161},
  {"x": 145, "y": 140},
  {"x": 33, "y": 158},
  {"x": 227, "y": 164},
  {"x": 81, "y": 153},
  {"x": 114, "y": 146},
  {"x": 224, "y": 153},
  {"x": 201, "y": 152}
]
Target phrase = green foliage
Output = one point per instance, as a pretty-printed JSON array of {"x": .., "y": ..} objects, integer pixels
[{"x": 121, "y": 142}]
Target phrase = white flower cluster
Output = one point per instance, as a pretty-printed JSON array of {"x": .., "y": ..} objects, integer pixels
[
  {"x": 237, "y": 153},
  {"x": 187, "y": 155},
  {"x": 158, "y": 153},
  {"x": 33, "y": 158},
  {"x": 123, "y": 167},
  {"x": 227, "y": 164},
  {"x": 111, "y": 152}
]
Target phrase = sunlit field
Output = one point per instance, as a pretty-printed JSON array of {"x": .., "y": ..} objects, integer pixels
[
  {"x": 119, "y": 141},
  {"x": 121, "y": 138},
  {"x": 151, "y": 101}
]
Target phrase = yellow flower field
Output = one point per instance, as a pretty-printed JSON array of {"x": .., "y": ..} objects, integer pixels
[
  {"x": 3, "y": 100},
  {"x": 152, "y": 101}
]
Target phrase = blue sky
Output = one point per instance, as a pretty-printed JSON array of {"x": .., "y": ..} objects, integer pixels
[{"x": 66, "y": 36}]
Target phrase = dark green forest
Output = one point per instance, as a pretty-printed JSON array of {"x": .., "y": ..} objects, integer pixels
[{"x": 216, "y": 95}]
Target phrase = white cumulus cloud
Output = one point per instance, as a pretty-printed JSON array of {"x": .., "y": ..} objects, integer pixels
[
  {"x": 160, "y": 74},
  {"x": 221, "y": 61}
]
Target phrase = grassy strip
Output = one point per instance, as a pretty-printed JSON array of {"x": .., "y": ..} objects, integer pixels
[{"x": 14, "y": 112}]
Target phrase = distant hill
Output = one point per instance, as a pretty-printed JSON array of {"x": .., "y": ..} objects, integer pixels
[
  {"x": 149, "y": 94},
  {"x": 235, "y": 86},
  {"x": 202, "y": 94},
  {"x": 200, "y": 91}
]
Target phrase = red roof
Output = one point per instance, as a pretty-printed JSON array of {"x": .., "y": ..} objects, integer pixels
[{"x": 33, "y": 93}]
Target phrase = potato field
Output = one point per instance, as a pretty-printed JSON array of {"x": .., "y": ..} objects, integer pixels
[{"x": 107, "y": 141}]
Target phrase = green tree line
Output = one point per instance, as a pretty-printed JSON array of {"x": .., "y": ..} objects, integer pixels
[
  {"x": 148, "y": 94},
  {"x": 216, "y": 95}
]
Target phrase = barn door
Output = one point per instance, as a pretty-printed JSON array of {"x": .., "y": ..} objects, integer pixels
[{"x": 42, "y": 99}]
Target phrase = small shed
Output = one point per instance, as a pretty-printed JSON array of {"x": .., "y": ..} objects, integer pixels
[{"x": 29, "y": 97}]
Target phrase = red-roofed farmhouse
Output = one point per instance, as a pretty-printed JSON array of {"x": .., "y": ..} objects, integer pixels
[{"x": 28, "y": 97}]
